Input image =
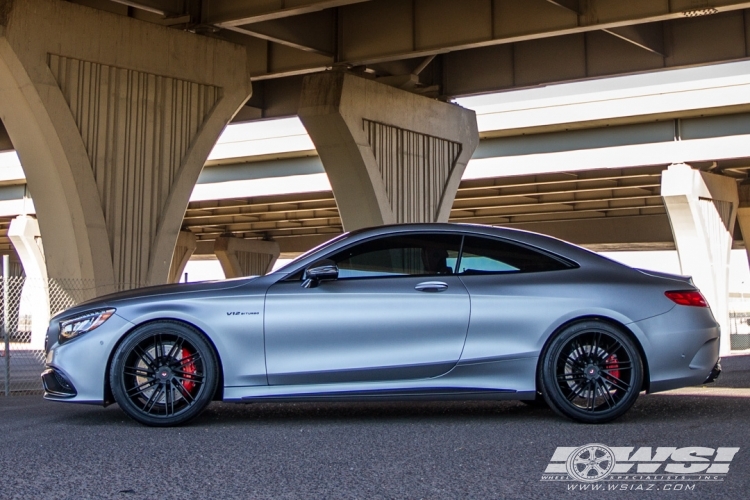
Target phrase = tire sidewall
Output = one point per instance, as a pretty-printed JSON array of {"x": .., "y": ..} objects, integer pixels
[{"x": 142, "y": 332}]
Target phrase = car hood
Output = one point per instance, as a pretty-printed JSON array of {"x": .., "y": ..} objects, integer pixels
[{"x": 113, "y": 299}]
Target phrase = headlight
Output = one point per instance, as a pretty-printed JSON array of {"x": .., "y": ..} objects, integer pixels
[{"x": 72, "y": 328}]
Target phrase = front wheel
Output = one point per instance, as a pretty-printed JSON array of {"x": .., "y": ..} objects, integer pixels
[
  {"x": 164, "y": 374},
  {"x": 591, "y": 372}
]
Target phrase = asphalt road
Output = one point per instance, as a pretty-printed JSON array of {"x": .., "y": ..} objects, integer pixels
[{"x": 458, "y": 450}]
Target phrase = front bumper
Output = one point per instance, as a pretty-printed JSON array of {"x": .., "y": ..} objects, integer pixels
[
  {"x": 56, "y": 385},
  {"x": 82, "y": 363}
]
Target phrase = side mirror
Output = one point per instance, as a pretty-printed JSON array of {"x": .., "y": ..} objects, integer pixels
[{"x": 322, "y": 270}]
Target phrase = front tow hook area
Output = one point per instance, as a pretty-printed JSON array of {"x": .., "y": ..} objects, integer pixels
[{"x": 715, "y": 372}]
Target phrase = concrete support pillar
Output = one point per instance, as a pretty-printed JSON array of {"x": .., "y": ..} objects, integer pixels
[
  {"x": 112, "y": 119},
  {"x": 391, "y": 156},
  {"x": 26, "y": 239},
  {"x": 183, "y": 250},
  {"x": 743, "y": 215},
  {"x": 702, "y": 208},
  {"x": 240, "y": 257}
]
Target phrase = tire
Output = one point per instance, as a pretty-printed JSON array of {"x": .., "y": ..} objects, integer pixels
[
  {"x": 591, "y": 372},
  {"x": 164, "y": 374}
]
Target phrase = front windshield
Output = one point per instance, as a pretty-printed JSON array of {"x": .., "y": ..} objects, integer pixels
[{"x": 311, "y": 251}]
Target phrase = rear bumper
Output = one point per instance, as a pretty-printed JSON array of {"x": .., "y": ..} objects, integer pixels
[
  {"x": 714, "y": 373},
  {"x": 681, "y": 347}
]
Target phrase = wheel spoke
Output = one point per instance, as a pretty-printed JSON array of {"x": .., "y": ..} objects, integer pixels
[
  {"x": 591, "y": 400},
  {"x": 618, "y": 383},
  {"x": 188, "y": 379},
  {"x": 597, "y": 339},
  {"x": 183, "y": 392},
  {"x": 137, "y": 390},
  {"x": 169, "y": 399},
  {"x": 620, "y": 366},
  {"x": 187, "y": 360},
  {"x": 145, "y": 356},
  {"x": 576, "y": 391},
  {"x": 176, "y": 348},
  {"x": 155, "y": 397},
  {"x": 606, "y": 394},
  {"x": 137, "y": 371},
  {"x": 158, "y": 347}
]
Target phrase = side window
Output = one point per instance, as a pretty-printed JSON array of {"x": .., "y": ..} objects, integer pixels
[
  {"x": 401, "y": 255},
  {"x": 490, "y": 256}
]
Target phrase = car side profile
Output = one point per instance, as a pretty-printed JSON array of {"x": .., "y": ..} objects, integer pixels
[{"x": 416, "y": 311}]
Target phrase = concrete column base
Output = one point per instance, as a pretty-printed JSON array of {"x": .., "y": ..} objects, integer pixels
[
  {"x": 702, "y": 208},
  {"x": 240, "y": 257}
]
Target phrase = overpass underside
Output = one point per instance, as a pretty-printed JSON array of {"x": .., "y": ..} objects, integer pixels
[{"x": 613, "y": 209}]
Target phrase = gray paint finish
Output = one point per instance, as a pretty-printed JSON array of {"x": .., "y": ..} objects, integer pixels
[{"x": 382, "y": 338}]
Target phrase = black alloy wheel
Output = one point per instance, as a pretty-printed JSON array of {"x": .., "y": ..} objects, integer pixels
[
  {"x": 591, "y": 372},
  {"x": 163, "y": 374}
]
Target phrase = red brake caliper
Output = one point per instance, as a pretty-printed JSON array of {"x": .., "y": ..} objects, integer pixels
[
  {"x": 189, "y": 369},
  {"x": 613, "y": 365}
]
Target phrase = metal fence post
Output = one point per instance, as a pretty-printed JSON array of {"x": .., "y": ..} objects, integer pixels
[{"x": 6, "y": 324}]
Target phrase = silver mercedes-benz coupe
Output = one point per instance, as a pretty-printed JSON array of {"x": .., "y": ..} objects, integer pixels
[{"x": 407, "y": 312}]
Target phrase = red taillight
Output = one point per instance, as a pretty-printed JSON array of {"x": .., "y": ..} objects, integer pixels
[{"x": 687, "y": 298}]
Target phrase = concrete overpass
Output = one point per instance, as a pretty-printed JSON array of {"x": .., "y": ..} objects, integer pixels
[{"x": 114, "y": 107}]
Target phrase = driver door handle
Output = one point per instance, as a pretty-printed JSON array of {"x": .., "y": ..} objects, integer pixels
[{"x": 431, "y": 286}]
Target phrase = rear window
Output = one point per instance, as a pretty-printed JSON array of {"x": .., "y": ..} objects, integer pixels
[{"x": 492, "y": 256}]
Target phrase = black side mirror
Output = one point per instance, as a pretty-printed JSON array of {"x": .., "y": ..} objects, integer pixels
[{"x": 322, "y": 270}]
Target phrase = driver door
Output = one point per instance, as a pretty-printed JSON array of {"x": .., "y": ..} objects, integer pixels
[{"x": 396, "y": 312}]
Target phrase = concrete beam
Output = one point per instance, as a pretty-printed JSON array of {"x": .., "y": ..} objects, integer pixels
[
  {"x": 311, "y": 32},
  {"x": 567, "y": 57},
  {"x": 428, "y": 27},
  {"x": 228, "y": 13},
  {"x": 702, "y": 209},
  {"x": 391, "y": 156},
  {"x": 161, "y": 7},
  {"x": 571, "y": 5},
  {"x": 646, "y": 36},
  {"x": 240, "y": 257}
]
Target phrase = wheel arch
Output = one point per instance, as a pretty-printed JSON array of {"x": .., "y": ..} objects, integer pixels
[
  {"x": 604, "y": 319},
  {"x": 109, "y": 396}
]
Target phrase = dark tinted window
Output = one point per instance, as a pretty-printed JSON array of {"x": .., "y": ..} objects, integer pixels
[
  {"x": 402, "y": 255},
  {"x": 490, "y": 256}
]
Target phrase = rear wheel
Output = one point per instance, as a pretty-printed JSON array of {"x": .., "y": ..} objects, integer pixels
[
  {"x": 163, "y": 374},
  {"x": 591, "y": 372}
]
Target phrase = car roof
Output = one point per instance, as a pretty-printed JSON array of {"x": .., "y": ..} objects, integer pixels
[{"x": 556, "y": 246}]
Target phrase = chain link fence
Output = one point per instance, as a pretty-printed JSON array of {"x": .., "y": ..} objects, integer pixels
[
  {"x": 739, "y": 330},
  {"x": 26, "y": 306}
]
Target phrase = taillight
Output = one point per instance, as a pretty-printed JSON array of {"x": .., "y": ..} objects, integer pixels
[{"x": 687, "y": 298}]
